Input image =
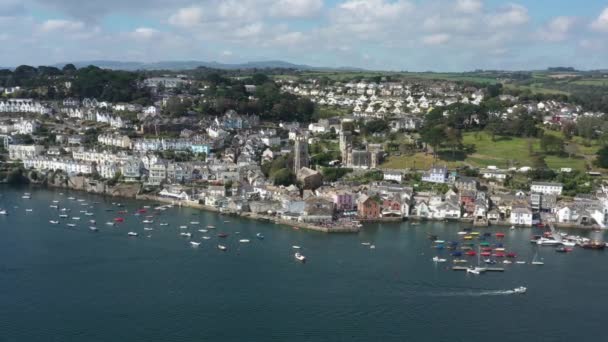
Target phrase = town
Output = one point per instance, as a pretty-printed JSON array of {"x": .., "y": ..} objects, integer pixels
[{"x": 307, "y": 150}]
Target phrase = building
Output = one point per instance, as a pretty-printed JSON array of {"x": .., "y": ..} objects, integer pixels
[
  {"x": 547, "y": 188},
  {"x": 436, "y": 175},
  {"x": 368, "y": 207},
  {"x": 67, "y": 165},
  {"x": 395, "y": 176},
  {"x": 117, "y": 140},
  {"x": 309, "y": 178},
  {"x": 24, "y": 151},
  {"x": 300, "y": 154},
  {"x": 166, "y": 82},
  {"x": 521, "y": 216}
]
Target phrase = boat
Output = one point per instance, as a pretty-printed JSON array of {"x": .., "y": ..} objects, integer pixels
[
  {"x": 520, "y": 262},
  {"x": 244, "y": 241},
  {"x": 53, "y": 206},
  {"x": 163, "y": 224},
  {"x": 183, "y": 227},
  {"x": 490, "y": 262},
  {"x": 211, "y": 227},
  {"x": 26, "y": 197},
  {"x": 147, "y": 221},
  {"x": 222, "y": 235},
  {"x": 563, "y": 250},
  {"x": 296, "y": 247},
  {"x": 511, "y": 255},
  {"x": 512, "y": 228},
  {"x": 372, "y": 247},
  {"x": 148, "y": 228},
  {"x": 71, "y": 198},
  {"x": 500, "y": 235},
  {"x": 432, "y": 237},
  {"x": 203, "y": 230},
  {"x": 468, "y": 237},
  {"x": 71, "y": 225},
  {"x": 110, "y": 223},
  {"x": 194, "y": 222},
  {"x": 3, "y": 212},
  {"x": 471, "y": 253},
  {"x": 476, "y": 270},
  {"x": 507, "y": 262},
  {"x": 222, "y": 248},
  {"x": 93, "y": 228},
  {"x": 132, "y": 234},
  {"x": 299, "y": 257},
  {"x": 185, "y": 234},
  {"x": 594, "y": 245},
  {"x": 195, "y": 244},
  {"x": 206, "y": 237},
  {"x": 568, "y": 243},
  {"x": 119, "y": 219},
  {"x": 535, "y": 260},
  {"x": 53, "y": 222},
  {"x": 520, "y": 290},
  {"x": 547, "y": 242},
  {"x": 29, "y": 210},
  {"x": 92, "y": 221},
  {"x": 438, "y": 259},
  {"x": 76, "y": 218},
  {"x": 463, "y": 233},
  {"x": 459, "y": 261},
  {"x": 89, "y": 214},
  {"x": 365, "y": 243}
]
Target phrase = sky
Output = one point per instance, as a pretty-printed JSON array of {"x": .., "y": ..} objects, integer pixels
[{"x": 412, "y": 35}]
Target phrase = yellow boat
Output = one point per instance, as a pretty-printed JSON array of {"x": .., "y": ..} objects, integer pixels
[
  {"x": 475, "y": 233},
  {"x": 468, "y": 237}
]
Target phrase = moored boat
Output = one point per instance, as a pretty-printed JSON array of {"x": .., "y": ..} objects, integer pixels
[
  {"x": 132, "y": 234},
  {"x": 195, "y": 244},
  {"x": 300, "y": 257},
  {"x": 222, "y": 248},
  {"x": 438, "y": 259}
]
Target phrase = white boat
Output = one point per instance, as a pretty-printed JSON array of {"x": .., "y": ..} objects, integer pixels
[
  {"x": 93, "y": 228},
  {"x": 183, "y": 227},
  {"x": 164, "y": 224},
  {"x": 299, "y": 257},
  {"x": 536, "y": 261},
  {"x": 92, "y": 221},
  {"x": 63, "y": 216},
  {"x": 71, "y": 225},
  {"x": 53, "y": 206},
  {"x": 132, "y": 234},
  {"x": 211, "y": 227},
  {"x": 75, "y": 218},
  {"x": 520, "y": 290},
  {"x": 438, "y": 259},
  {"x": 55, "y": 201},
  {"x": 222, "y": 247},
  {"x": 88, "y": 214},
  {"x": 520, "y": 262},
  {"x": 507, "y": 262},
  {"x": 295, "y": 247},
  {"x": 463, "y": 233},
  {"x": 512, "y": 228},
  {"x": 203, "y": 230},
  {"x": 195, "y": 244},
  {"x": 147, "y": 221},
  {"x": 194, "y": 222},
  {"x": 476, "y": 270},
  {"x": 3, "y": 212},
  {"x": 569, "y": 243},
  {"x": 372, "y": 247},
  {"x": 29, "y": 210},
  {"x": 147, "y": 228},
  {"x": 80, "y": 200},
  {"x": 25, "y": 197},
  {"x": 53, "y": 222},
  {"x": 206, "y": 238},
  {"x": 110, "y": 223},
  {"x": 244, "y": 240},
  {"x": 365, "y": 243},
  {"x": 186, "y": 234},
  {"x": 71, "y": 198},
  {"x": 547, "y": 242}
]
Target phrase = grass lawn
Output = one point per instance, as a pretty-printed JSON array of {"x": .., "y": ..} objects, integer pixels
[
  {"x": 557, "y": 163},
  {"x": 418, "y": 161},
  {"x": 503, "y": 152},
  {"x": 536, "y": 88}
]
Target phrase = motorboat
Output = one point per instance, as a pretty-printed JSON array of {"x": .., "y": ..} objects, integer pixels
[
  {"x": 547, "y": 242},
  {"x": 53, "y": 206},
  {"x": 372, "y": 247},
  {"x": 563, "y": 250},
  {"x": 26, "y": 197},
  {"x": 93, "y": 228},
  {"x": 203, "y": 230},
  {"x": 92, "y": 221},
  {"x": 463, "y": 233},
  {"x": 132, "y": 234},
  {"x": 88, "y": 214},
  {"x": 194, "y": 222},
  {"x": 29, "y": 210},
  {"x": 460, "y": 261},
  {"x": 222, "y": 248},
  {"x": 211, "y": 227},
  {"x": 195, "y": 244},
  {"x": 438, "y": 259},
  {"x": 500, "y": 235},
  {"x": 76, "y": 218},
  {"x": 53, "y": 222},
  {"x": 147, "y": 221},
  {"x": 222, "y": 235},
  {"x": 185, "y": 234},
  {"x": 507, "y": 262},
  {"x": 148, "y": 228},
  {"x": 110, "y": 223},
  {"x": 163, "y": 224},
  {"x": 63, "y": 216},
  {"x": 476, "y": 270},
  {"x": 296, "y": 247},
  {"x": 244, "y": 241},
  {"x": 568, "y": 243},
  {"x": 300, "y": 257},
  {"x": 71, "y": 225},
  {"x": 119, "y": 219},
  {"x": 520, "y": 262},
  {"x": 259, "y": 236},
  {"x": 490, "y": 261},
  {"x": 206, "y": 237},
  {"x": 365, "y": 243},
  {"x": 183, "y": 227},
  {"x": 512, "y": 228},
  {"x": 3, "y": 212},
  {"x": 520, "y": 290}
]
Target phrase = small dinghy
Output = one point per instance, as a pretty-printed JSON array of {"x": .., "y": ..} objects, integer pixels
[{"x": 300, "y": 257}]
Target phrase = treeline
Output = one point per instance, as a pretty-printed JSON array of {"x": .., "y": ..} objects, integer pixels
[{"x": 51, "y": 83}]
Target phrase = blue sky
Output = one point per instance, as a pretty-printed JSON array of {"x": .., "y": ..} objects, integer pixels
[{"x": 439, "y": 35}]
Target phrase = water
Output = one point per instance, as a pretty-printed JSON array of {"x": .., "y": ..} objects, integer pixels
[{"x": 70, "y": 284}]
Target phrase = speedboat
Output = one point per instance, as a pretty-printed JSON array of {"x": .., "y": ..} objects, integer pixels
[
  {"x": 203, "y": 230},
  {"x": 547, "y": 242},
  {"x": 110, "y": 223},
  {"x": 76, "y": 218},
  {"x": 520, "y": 262},
  {"x": 183, "y": 227},
  {"x": 26, "y": 197},
  {"x": 63, "y": 216},
  {"x": 164, "y": 224},
  {"x": 132, "y": 234},
  {"x": 89, "y": 214},
  {"x": 507, "y": 262},
  {"x": 372, "y": 247},
  {"x": 29, "y": 210},
  {"x": 476, "y": 270},
  {"x": 438, "y": 259},
  {"x": 259, "y": 236},
  {"x": 244, "y": 241},
  {"x": 222, "y": 235},
  {"x": 211, "y": 227},
  {"x": 520, "y": 290},
  {"x": 300, "y": 257},
  {"x": 569, "y": 243},
  {"x": 460, "y": 261},
  {"x": 54, "y": 222},
  {"x": 147, "y": 221},
  {"x": 365, "y": 243},
  {"x": 463, "y": 233},
  {"x": 195, "y": 244},
  {"x": 194, "y": 222},
  {"x": 490, "y": 261},
  {"x": 222, "y": 248},
  {"x": 53, "y": 206}
]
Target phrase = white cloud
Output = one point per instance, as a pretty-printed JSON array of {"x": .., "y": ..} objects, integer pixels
[
  {"x": 510, "y": 15},
  {"x": 187, "y": 17},
  {"x": 601, "y": 23},
  {"x": 145, "y": 33},
  {"x": 557, "y": 30},
  {"x": 53, "y": 25},
  {"x": 436, "y": 39},
  {"x": 469, "y": 6},
  {"x": 296, "y": 8}
]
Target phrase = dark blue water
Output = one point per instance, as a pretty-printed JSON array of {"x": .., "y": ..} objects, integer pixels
[{"x": 70, "y": 284}]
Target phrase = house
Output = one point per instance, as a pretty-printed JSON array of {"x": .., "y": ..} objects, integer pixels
[
  {"x": 521, "y": 216},
  {"x": 24, "y": 151},
  {"x": 343, "y": 200},
  {"x": 309, "y": 178},
  {"x": 368, "y": 207},
  {"x": 547, "y": 188},
  {"x": 117, "y": 140},
  {"x": 175, "y": 192},
  {"x": 395, "y": 176},
  {"x": 317, "y": 210},
  {"x": 493, "y": 174},
  {"x": 436, "y": 175},
  {"x": 466, "y": 183}
]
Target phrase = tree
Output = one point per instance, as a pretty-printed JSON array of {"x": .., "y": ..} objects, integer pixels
[
  {"x": 259, "y": 79},
  {"x": 602, "y": 157},
  {"x": 453, "y": 138},
  {"x": 587, "y": 127},
  {"x": 284, "y": 177},
  {"x": 552, "y": 144},
  {"x": 433, "y": 136},
  {"x": 69, "y": 68}
]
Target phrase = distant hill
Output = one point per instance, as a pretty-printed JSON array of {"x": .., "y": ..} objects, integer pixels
[{"x": 185, "y": 65}]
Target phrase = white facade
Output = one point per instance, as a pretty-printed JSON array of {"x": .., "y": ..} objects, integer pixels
[
  {"x": 121, "y": 141},
  {"x": 24, "y": 151},
  {"x": 23, "y": 106},
  {"x": 521, "y": 217},
  {"x": 547, "y": 188},
  {"x": 69, "y": 166}
]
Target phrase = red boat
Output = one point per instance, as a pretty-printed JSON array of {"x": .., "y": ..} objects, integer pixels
[
  {"x": 500, "y": 235},
  {"x": 486, "y": 249},
  {"x": 119, "y": 219},
  {"x": 222, "y": 235},
  {"x": 499, "y": 255},
  {"x": 142, "y": 211},
  {"x": 511, "y": 255},
  {"x": 486, "y": 254},
  {"x": 471, "y": 253},
  {"x": 122, "y": 212}
]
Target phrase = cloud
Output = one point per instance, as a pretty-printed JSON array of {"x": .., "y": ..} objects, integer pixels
[
  {"x": 557, "y": 30},
  {"x": 145, "y": 33},
  {"x": 601, "y": 23},
  {"x": 510, "y": 15},
  {"x": 436, "y": 39},
  {"x": 469, "y": 6},
  {"x": 187, "y": 17},
  {"x": 54, "y": 25},
  {"x": 296, "y": 8}
]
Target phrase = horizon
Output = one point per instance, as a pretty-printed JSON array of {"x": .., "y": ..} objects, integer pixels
[{"x": 382, "y": 35}]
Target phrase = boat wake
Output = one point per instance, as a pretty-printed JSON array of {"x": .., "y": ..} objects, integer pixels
[{"x": 472, "y": 293}]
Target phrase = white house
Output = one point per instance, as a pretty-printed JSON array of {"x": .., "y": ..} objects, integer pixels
[
  {"x": 521, "y": 217},
  {"x": 436, "y": 175},
  {"x": 24, "y": 151},
  {"x": 547, "y": 188}
]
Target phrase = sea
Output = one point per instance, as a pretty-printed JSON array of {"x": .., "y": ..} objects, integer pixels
[{"x": 62, "y": 283}]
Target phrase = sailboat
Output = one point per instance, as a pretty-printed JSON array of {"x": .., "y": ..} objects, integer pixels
[
  {"x": 536, "y": 261},
  {"x": 477, "y": 270}
]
